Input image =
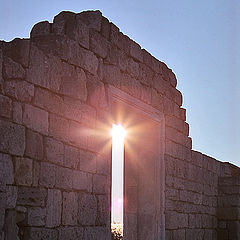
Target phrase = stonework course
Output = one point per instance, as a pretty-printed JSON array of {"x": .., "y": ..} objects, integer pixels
[{"x": 55, "y": 145}]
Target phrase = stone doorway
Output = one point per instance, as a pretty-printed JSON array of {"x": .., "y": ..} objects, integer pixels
[{"x": 144, "y": 171}]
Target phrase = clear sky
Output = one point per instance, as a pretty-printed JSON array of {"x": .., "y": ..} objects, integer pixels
[{"x": 199, "y": 40}]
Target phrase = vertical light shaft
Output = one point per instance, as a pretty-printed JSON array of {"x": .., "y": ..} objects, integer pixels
[{"x": 118, "y": 134}]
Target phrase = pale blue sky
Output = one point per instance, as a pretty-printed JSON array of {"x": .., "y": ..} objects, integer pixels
[{"x": 199, "y": 40}]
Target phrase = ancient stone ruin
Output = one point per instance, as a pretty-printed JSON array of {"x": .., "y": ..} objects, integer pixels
[{"x": 60, "y": 92}]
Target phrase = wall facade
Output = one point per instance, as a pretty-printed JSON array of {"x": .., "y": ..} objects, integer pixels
[{"x": 55, "y": 146}]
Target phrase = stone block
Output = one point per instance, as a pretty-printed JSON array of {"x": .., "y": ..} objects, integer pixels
[
  {"x": 105, "y": 28},
  {"x": 168, "y": 106},
  {"x": 229, "y": 201},
  {"x": 18, "y": 50},
  {"x": 6, "y": 169},
  {"x": 36, "y": 173},
  {"x": 132, "y": 68},
  {"x": 5, "y": 106},
  {"x": 195, "y": 234},
  {"x": 228, "y": 213},
  {"x": 82, "y": 181},
  {"x": 88, "y": 162},
  {"x": 197, "y": 158},
  {"x": 53, "y": 208},
  {"x": 36, "y": 216},
  {"x": 173, "y": 79},
  {"x": 102, "y": 210},
  {"x": 234, "y": 230},
  {"x": 71, "y": 233},
  {"x": 10, "y": 226},
  {"x": 100, "y": 184},
  {"x": 70, "y": 208},
  {"x": 12, "y": 70},
  {"x": 87, "y": 209},
  {"x": 195, "y": 220},
  {"x": 64, "y": 178},
  {"x": 23, "y": 171},
  {"x": 47, "y": 175},
  {"x": 34, "y": 145},
  {"x": 35, "y": 119},
  {"x": 95, "y": 233},
  {"x": 41, "y": 234},
  {"x": 54, "y": 150},
  {"x": 17, "y": 112},
  {"x": 146, "y": 76},
  {"x": 11, "y": 196},
  {"x": 172, "y": 194},
  {"x": 40, "y": 29},
  {"x": 98, "y": 44},
  {"x": 29, "y": 196},
  {"x": 135, "y": 51},
  {"x": 92, "y": 19},
  {"x": 175, "y": 220},
  {"x": 20, "y": 90},
  {"x": 179, "y": 234},
  {"x": 12, "y": 138},
  {"x": 111, "y": 75},
  {"x": 103, "y": 165},
  {"x": 71, "y": 157}
]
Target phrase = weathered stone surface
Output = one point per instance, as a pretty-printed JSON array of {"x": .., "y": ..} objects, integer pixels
[
  {"x": 87, "y": 209},
  {"x": 135, "y": 51},
  {"x": 82, "y": 181},
  {"x": 95, "y": 233},
  {"x": 36, "y": 216},
  {"x": 41, "y": 234},
  {"x": 35, "y": 119},
  {"x": 64, "y": 178},
  {"x": 102, "y": 210},
  {"x": 5, "y": 106},
  {"x": 105, "y": 28},
  {"x": 20, "y": 90},
  {"x": 146, "y": 75},
  {"x": 6, "y": 169},
  {"x": 157, "y": 100},
  {"x": 103, "y": 165},
  {"x": 88, "y": 162},
  {"x": 47, "y": 174},
  {"x": 111, "y": 75},
  {"x": 1, "y": 65},
  {"x": 132, "y": 68},
  {"x": 71, "y": 233},
  {"x": 11, "y": 228},
  {"x": 11, "y": 196},
  {"x": 71, "y": 157},
  {"x": 176, "y": 220},
  {"x": 195, "y": 234},
  {"x": 53, "y": 208},
  {"x": 23, "y": 171},
  {"x": 17, "y": 112},
  {"x": 36, "y": 173},
  {"x": 12, "y": 70},
  {"x": 12, "y": 138},
  {"x": 54, "y": 150},
  {"x": 34, "y": 145},
  {"x": 31, "y": 196},
  {"x": 100, "y": 184},
  {"x": 18, "y": 50},
  {"x": 41, "y": 28},
  {"x": 70, "y": 208},
  {"x": 92, "y": 19}
]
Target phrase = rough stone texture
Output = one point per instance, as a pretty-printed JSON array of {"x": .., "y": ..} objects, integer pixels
[
  {"x": 12, "y": 70},
  {"x": 6, "y": 169},
  {"x": 53, "y": 208},
  {"x": 82, "y": 181},
  {"x": 12, "y": 138},
  {"x": 17, "y": 112},
  {"x": 41, "y": 234},
  {"x": 47, "y": 175},
  {"x": 70, "y": 208},
  {"x": 5, "y": 106},
  {"x": 71, "y": 233},
  {"x": 36, "y": 216},
  {"x": 88, "y": 162}
]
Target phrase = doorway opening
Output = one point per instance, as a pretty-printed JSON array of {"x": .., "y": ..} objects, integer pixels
[{"x": 117, "y": 198}]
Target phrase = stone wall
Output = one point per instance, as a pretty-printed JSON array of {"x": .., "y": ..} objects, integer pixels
[{"x": 55, "y": 146}]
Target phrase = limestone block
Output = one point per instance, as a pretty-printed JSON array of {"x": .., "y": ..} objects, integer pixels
[
  {"x": 10, "y": 226},
  {"x": 6, "y": 169},
  {"x": 2, "y": 218},
  {"x": 71, "y": 157},
  {"x": 135, "y": 51},
  {"x": 234, "y": 229},
  {"x": 92, "y": 19},
  {"x": 111, "y": 75},
  {"x": 82, "y": 181},
  {"x": 168, "y": 106},
  {"x": 173, "y": 79},
  {"x": 44, "y": 70},
  {"x": 175, "y": 220},
  {"x": 98, "y": 44},
  {"x": 195, "y": 220},
  {"x": 41, "y": 28},
  {"x": 23, "y": 171},
  {"x": 146, "y": 75},
  {"x": 20, "y": 90},
  {"x": 195, "y": 234},
  {"x": 179, "y": 234},
  {"x": 12, "y": 138},
  {"x": 87, "y": 209},
  {"x": 100, "y": 184},
  {"x": 5, "y": 106},
  {"x": 54, "y": 150},
  {"x": 17, "y": 112},
  {"x": 172, "y": 194},
  {"x": 230, "y": 213},
  {"x": 147, "y": 58},
  {"x": 11, "y": 196},
  {"x": 95, "y": 233},
  {"x": 73, "y": 82},
  {"x": 197, "y": 158},
  {"x": 132, "y": 68},
  {"x": 18, "y": 50},
  {"x": 1, "y": 77},
  {"x": 36, "y": 216},
  {"x": 34, "y": 145},
  {"x": 36, "y": 173},
  {"x": 31, "y": 196},
  {"x": 103, "y": 165},
  {"x": 12, "y": 70},
  {"x": 178, "y": 98},
  {"x": 64, "y": 178},
  {"x": 229, "y": 201},
  {"x": 88, "y": 162},
  {"x": 71, "y": 233},
  {"x": 70, "y": 208},
  {"x": 47, "y": 174},
  {"x": 54, "y": 208},
  {"x": 105, "y": 28},
  {"x": 41, "y": 234},
  {"x": 35, "y": 119},
  {"x": 102, "y": 210}
]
